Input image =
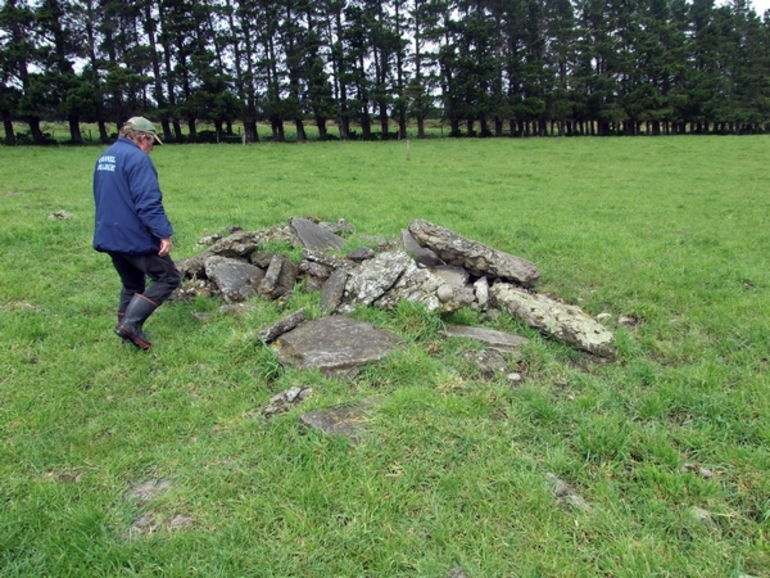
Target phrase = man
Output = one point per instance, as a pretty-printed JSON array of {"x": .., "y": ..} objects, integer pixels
[{"x": 132, "y": 227}]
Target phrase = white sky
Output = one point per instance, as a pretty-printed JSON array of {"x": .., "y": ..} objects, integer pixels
[{"x": 759, "y": 5}]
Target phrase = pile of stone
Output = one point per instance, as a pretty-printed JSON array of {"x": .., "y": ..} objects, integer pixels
[{"x": 430, "y": 265}]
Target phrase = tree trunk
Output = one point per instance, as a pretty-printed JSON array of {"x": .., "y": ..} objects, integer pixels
[
  {"x": 34, "y": 129},
  {"x": 75, "y": 135},
  {"x": 10, "y": 135}
]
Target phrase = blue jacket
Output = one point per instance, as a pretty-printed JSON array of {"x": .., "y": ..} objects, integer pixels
[{"x": 129, "y": 205}]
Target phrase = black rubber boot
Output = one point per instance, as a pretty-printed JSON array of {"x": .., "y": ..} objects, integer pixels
[{"x": 130, "y": 329}]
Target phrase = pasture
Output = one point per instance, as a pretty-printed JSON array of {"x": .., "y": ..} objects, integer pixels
[{"x": 668, "y": 444}]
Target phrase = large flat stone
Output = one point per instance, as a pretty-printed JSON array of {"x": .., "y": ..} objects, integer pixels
[{"x": 334, "y": 344}]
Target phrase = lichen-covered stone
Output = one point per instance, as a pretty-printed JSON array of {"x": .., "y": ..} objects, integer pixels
[
  {"x": 477, "y": 258},
  {"x": 567, "y": 323}
]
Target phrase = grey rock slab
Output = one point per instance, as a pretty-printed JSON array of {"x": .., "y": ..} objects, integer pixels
[
  {"x": 373, "y": 278},
  {"x": 360, "y": 254},
  {"x": 477, "y": 258},
  {"x": 567, "y": 323},
  {"x": 239, "y": 244},
  {"x": 415, "y": 285},
  {"x": 327, "y": 260},
  {"x": 279, "y": 278},
  {"x": 274, "y": 331},
  {"x": 348, "y": 421},
  {"x": 332, "y": 344},
  {"x": 423, "y": 256},
  {"x": 312, "y": 269},
  {"x": 454, "y": 276},
  {"x": 333, "y": 290},
  {"x": 313, "y": 236},
  {"x": 495, "y": 339},
  {"x": 235, "y": 278}
]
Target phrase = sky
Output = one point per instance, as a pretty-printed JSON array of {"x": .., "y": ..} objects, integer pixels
[{"x": 759, "y": 5}]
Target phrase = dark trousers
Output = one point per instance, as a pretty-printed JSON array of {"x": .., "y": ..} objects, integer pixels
[{"x": 134, "y": 270}]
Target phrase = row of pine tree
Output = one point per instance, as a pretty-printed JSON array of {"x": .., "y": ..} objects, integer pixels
[{"x": 370, "y": 68}]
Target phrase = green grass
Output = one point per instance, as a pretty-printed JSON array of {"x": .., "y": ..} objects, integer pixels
[{"x": 672, "y": 231}]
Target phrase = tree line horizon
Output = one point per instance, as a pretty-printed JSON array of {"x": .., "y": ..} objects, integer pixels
[{"x": 484, "y": 67}]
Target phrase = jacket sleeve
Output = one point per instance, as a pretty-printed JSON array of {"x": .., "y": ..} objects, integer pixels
[{"x": 148, "y": 199}]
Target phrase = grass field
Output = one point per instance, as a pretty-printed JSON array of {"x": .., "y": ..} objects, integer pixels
[{"x": 452, "y": 472}]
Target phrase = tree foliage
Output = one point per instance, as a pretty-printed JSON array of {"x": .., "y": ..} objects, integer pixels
[{"x": 486, "y": 67}]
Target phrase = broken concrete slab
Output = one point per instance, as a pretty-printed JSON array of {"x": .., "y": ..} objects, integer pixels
[
  {"x": 313, "y": 236},
  {"x": 495, "y": 339},
  {"x": 334, "y": 344},
  {"x": 567, "y": 323},
  {"x": 477, "y": 258}
]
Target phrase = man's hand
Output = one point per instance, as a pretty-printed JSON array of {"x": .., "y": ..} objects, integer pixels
[{"x": 165, "y": 247}]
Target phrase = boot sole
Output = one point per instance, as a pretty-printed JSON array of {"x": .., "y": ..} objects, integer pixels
[{"x": 134, "y": 340}]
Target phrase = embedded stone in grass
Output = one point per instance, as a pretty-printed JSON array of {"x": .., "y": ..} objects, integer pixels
[
  {"x": 283, "y": 401},
  {"x": 144, "y": 525},
  {"x": 347, "y": 420},
  {"x": 702, "y": 516},
  {"x": 180, "y": 522},
  {"x": 705, "y": 473},
  {"x": 146, "y": 491},
  {"x": 238, "y": 308},
  {"x": 457, "y": 572},
  {"x": 628, "y": 321},
  {"x": 498, "y": 340},
  {"x": 332, "y": 344},
  {"x": 487, "y": 362},
  {"x": 565, "y": 493},
  {"x": 61, "y": 215}
]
